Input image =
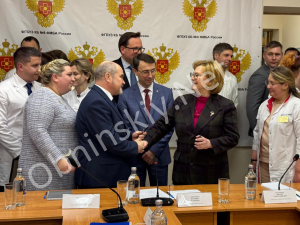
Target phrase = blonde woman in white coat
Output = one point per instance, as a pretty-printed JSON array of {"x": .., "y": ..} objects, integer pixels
[{"x": 277, "y": 133}]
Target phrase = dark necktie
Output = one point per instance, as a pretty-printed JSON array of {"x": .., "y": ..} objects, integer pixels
[
  {"x": 132, "y": 76},
  {"x": 29, "y": 86},
  {"x": 147, "y": 101}
]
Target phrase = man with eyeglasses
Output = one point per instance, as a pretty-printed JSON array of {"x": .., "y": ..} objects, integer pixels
[
  {"x": 142, "y": 104},
  {"x": 130, "y": 45},
  {"x": 257, "y": 88},
  {"x": 13, "y": 95}
]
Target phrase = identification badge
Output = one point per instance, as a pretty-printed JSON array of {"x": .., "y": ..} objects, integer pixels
[{"x": 283, "y": 119}]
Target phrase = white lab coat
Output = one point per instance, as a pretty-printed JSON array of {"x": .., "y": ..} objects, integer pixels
[
  {"x": 284, "y": 137},
  {"x": 230, "y": 88},
  {"x": 73, "y": 100},
  {"x": 13, "y": 96}
]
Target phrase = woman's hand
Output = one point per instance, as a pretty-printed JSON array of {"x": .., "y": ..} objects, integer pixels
[
  {"x": 64, "y": 166},
  {"x": 202, "y": 143},
  {"x": 254, "y": 156}
]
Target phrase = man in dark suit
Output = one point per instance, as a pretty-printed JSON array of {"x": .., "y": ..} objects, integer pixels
[
  {"x": 145, "y": 102},
  {"x": 257, "y": 88},
  {"x": 102, "y": 133},
  {"x": 130, "y": 45}
]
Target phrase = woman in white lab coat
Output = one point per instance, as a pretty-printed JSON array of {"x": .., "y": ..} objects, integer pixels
[
  {"x": 277, "y": 132},
  {"x": 83, "y": 73}
]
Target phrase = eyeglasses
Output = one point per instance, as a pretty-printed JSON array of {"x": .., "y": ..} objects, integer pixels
[
  {"x": 136, "y": 50},
  {"x": 195, "y": 75},
  {"x": 146, "y": 72},
  {"x": 271, "y": 83}
]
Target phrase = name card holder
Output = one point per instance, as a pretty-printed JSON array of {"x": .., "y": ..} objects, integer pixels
[
  {"x": 81, "y": 201},
  {"x": 279, "y": 196},
  {"x": 147, "y": 216},
  {"x": 194, "y": 199}
]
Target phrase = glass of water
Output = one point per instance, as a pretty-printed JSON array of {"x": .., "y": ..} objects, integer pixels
[
  {"x": 223, "y": 186},
  {"x": 9, "y": 196}
]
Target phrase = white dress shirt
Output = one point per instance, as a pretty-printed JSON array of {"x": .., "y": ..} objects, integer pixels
[
  {"x": 230, "y": 88},
  {"x": 150, "y": 93},
  {"x": 106, "y": 92},
  {"x": 73, "y": 100},
  {"x": 13, "y": 96},
  {"x": 127, "y": 71}
]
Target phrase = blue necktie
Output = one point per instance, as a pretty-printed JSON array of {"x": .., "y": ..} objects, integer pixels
[
  {"x": 133, "y": 80},
  {"x": 29, "y": 86}
]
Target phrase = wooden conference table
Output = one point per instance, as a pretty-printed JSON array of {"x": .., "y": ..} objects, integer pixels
[{"x": 238, "y": 211}]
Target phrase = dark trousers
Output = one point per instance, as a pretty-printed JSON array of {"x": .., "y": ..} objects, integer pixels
[
  {"x": 162, "y": 174},
  {"x": 1, "y": 188}
]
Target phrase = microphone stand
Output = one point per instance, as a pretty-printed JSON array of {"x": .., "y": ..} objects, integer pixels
[
  {"x": 296, "y": 157},
  {"x": 109, "y": 215}
]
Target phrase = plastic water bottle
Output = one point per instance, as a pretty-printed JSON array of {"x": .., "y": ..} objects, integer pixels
[
  {"x": 133, "y": 188},
  {"x": 158, "y": 217},
  {"x": 20, "y": 188},
  {"x": 250, "y": 184}
]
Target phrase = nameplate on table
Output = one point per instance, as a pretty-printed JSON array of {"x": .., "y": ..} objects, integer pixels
[
  {"x": 81, "y": 201},
  {"x": 194, "y": 199},
  {"x": 279, "y": 196},
  {"x": 147, "y": 216}
]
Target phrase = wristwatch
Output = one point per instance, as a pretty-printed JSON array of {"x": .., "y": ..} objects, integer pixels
[{"x": 253, "y": 160}]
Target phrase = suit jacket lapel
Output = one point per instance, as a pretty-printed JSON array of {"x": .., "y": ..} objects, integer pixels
[
  {"x": 210, "y": 110},
  {"x": 19, "y": 90},
  {"x": 139, "y": 99},
  {"x": 156, "y": 99},
  {"x": 188, "y": 111}
]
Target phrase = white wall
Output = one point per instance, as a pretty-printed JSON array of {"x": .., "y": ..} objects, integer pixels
[
  {"x": 285, "y": 3},
  {"x": 287, "y": 29}
]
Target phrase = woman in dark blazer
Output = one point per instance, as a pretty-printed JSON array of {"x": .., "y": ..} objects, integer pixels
[{"x": 206, "y": 126}]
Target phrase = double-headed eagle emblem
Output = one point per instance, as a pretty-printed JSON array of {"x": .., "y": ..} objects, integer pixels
[
  {"x": 124, "y": 12},
  {"x": 199, "y": 12},
  {"x": 241, "y": 61},
  {"x": 87, "y": 54},
  {"x": 166, "y": 62},
  {"x": 6, "y": 58},
  {"x": 46, "y": 10}
]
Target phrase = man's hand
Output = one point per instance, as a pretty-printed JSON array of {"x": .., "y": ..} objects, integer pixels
[
  {"x": 64, "y": 166},
  {"x": 138, "y": 134},
  {"x": 140, "y": 145},
  {"x": 202, "y": 143},
  {"x": 148, "y": 157}
]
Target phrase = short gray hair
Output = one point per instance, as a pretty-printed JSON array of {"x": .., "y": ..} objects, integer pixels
[{"x": 105, "y": 67}]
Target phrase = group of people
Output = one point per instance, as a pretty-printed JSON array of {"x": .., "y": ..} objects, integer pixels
[{"x": 126, "y": 119}]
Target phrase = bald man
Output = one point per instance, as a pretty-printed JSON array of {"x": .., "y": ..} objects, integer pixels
[{"x": 102, "y": 132}]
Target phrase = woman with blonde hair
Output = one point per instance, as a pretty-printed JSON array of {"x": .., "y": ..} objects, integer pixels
[
  {"x": 49, "y": 131},
  {"x": 277, "y": 132},
  {"x": 206, "y": 126},
  {"x": 83, "y": 73}
]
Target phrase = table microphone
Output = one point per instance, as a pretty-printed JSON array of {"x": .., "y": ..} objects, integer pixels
[
  {"x": 109, "y": 215},
  {"x": 151, "y": 201},
  {"x": 296, "y": 157}
]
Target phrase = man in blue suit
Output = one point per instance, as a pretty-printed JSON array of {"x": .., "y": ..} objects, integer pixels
[
  {"x": 102, "y": 132},
  {"x": 143, "y": 104}
]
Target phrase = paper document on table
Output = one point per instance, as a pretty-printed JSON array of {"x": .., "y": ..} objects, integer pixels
[
  {"x": 274, "y": 186},
  {"x": 151, "y": 193},
  {"x": 174, "y": 193}
]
